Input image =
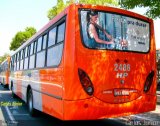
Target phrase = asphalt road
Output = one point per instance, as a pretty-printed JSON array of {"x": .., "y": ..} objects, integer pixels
[{"x": 13, "y": 112}]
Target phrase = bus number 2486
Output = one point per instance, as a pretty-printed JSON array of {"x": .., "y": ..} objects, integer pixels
[{"x": 122, "y": 67}]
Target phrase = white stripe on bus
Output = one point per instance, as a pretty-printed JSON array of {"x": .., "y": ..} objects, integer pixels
[{"x": 38, "y": 82}]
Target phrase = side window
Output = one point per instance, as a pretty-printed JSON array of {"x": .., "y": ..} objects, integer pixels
[
  {"x": 35, "y": 46},
  {"x": 21, "y": 61},
  {"x": 18, "y": 58},
  {"x": 21, "y": 54},
  {"x": 54, "y": 53},
  {"x": 44, "y": 41},
  {"x": 14, "y": 59},
  {"x": 61, "y": 30},
  {"x": 15, "y": 62},
  {"x": 39, "y": 44},
  {"x": 26, "y": 57},
  {"x": 26, "y": 52},
  {"x": 52, "y": 37},
  {"x": 31, "y": 48},
  {"x": 12, "y": 63},
  {"x": 32, "y": 56},
  {"x": 40, "y": 57}
]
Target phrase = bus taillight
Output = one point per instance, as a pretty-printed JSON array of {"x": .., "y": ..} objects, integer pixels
[
  {"x": 86, "y": 82},
  {"x": 148, "y": 82}
]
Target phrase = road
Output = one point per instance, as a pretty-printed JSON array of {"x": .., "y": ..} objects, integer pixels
[{"x": 13, "y": 112}]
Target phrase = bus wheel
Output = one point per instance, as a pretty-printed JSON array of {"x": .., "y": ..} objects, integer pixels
[
  {"x": 30, "y": 103},
  {"x": 13, "y": 95},
  {"x": 6, "y": 86}
]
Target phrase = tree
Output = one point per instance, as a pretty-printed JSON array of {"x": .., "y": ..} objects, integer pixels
[
  {"x": 153, "y": 6},
  {"x": 21, "y": 37},
  {"x": 56, "y": 9},
  {"x": 61, "y": 5},
  {"x": 99, "y": 2},
  {"x": 2, "y": 58}
]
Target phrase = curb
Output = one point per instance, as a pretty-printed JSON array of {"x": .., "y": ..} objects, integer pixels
[{"x": 158, "y": 92}]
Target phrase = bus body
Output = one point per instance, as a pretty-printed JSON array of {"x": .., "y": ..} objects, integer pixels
[
  {"x": 60, "y": 73},
  {"x": 4, "y": 72}
]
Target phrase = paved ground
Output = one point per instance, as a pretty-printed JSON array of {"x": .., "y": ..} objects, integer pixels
[{"x": 19, "y": 116}]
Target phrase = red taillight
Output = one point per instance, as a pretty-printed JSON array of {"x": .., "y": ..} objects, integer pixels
[
  {"x": 148, "y": 82},
  {"x": 86, "y": 82}
]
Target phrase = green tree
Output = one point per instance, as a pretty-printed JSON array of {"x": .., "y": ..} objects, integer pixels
[
  {"x": 99, "y": 2},
  {"x": 2, "y": 58},
  {"x": 61, "y": 5},
  {"x": 56, "y": 9},
  {"x": 153, "y": 6},
  {"x": 21, "y": 37}
]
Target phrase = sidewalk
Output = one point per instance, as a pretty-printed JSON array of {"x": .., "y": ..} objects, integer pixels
[
  {"x": 158, "y": 89},
  {"x": 158, "y": 92}
]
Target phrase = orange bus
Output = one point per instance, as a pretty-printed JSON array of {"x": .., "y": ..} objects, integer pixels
[
  {"x": 89, "y": 62},
  {"x": 4, "y": 72}
]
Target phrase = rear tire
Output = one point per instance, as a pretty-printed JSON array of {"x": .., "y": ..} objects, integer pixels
[
  {"x": 13, "y": 95},
  {"x": 6, "y": 86},
  {"x": 30, "y": 103}
]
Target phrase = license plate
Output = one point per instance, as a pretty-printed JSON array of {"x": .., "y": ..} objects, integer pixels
[{"x": 121, "y": 92}]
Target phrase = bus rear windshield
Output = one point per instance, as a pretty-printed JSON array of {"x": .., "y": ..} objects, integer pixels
[{"x": 101, "y": 30}]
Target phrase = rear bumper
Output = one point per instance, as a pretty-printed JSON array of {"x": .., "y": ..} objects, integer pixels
[{"x": 93, "y": 108}]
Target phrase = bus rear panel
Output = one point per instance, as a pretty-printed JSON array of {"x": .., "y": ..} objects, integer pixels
[
  {"x": 110, "y": 80},
  {"x": 65, "y": 73}
]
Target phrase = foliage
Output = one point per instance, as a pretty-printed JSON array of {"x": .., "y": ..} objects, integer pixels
[
  {"x": 56, "y": 9},
  {"x": 2, "y": 58},
  {"x": 99, "y": 2},
  {"x": 21, "y": 37},
  {"x": 61, "y": 5},
  {"x": 153, "y": 6}
]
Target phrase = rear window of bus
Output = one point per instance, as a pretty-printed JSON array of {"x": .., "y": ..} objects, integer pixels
[{"x": 123, "y": 32}]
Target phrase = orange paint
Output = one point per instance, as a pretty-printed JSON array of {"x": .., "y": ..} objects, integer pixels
[
  {"x": 52, "y": 84},
  {"x": 99, "y": 66}
]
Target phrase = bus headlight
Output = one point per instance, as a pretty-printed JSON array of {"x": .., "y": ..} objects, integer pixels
[
  {"x": 148, "y": 82},
  {"x": 86, "y": 82}
]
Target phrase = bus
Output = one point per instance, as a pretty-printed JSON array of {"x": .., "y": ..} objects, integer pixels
[
  {"x": 65, "y": 73},
  {"x": 4, "y": 72}
]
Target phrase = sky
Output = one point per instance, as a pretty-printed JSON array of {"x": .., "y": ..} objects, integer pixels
[{"x": 16, "y": 15}]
